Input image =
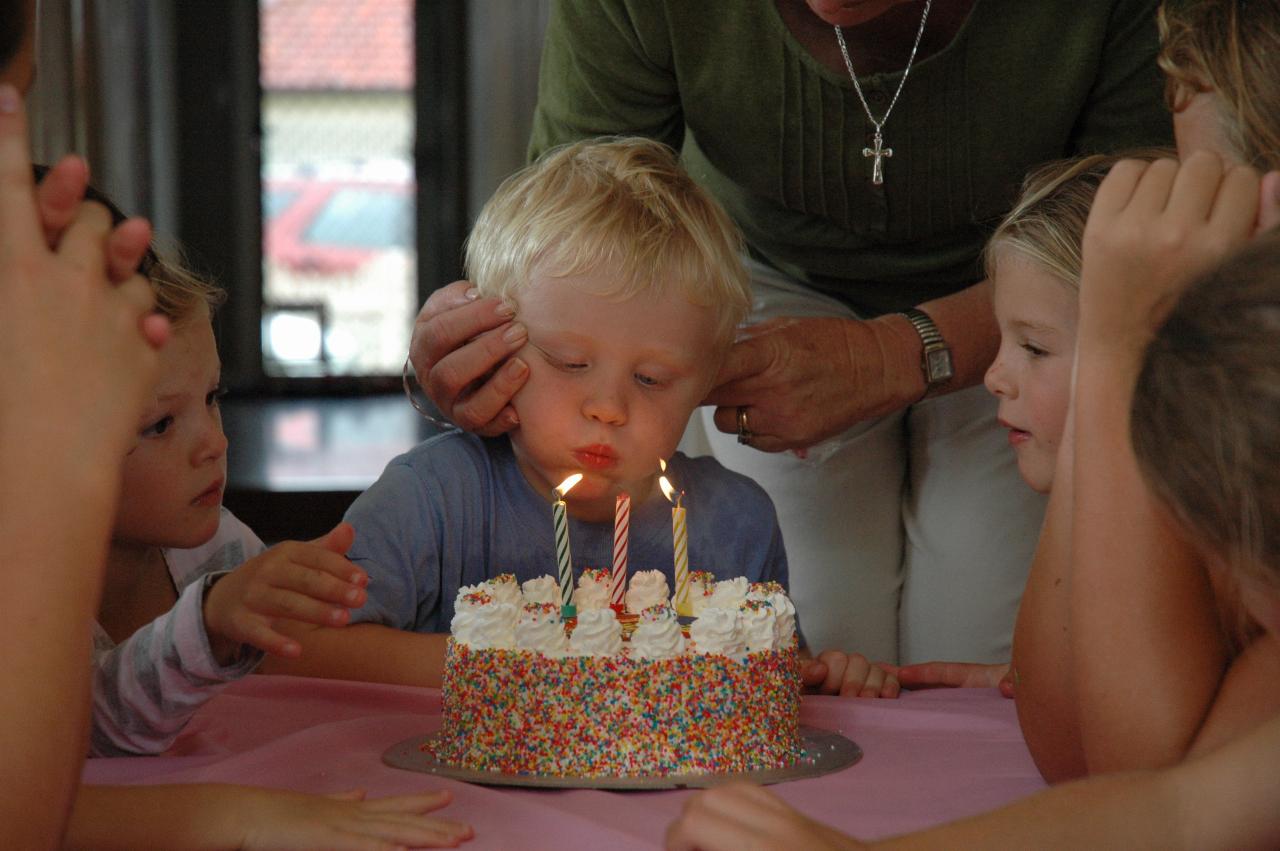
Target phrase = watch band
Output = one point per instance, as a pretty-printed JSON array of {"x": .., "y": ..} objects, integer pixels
[{"x": 936, "y": 358}]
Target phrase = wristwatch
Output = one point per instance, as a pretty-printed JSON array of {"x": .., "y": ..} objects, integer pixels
[{"x": 936, "y": 361}]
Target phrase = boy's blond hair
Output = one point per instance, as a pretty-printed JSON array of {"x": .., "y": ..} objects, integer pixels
[
  {"x": 1046, "y": 224},
  {"x": 1230, "y": 47},
  {"x": 622, "y": 205}
]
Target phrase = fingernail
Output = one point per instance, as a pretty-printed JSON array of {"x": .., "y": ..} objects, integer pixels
[
  {"x": 337, "y": 615},
  {"x": 516, "y": 368},
  {"x": 516, "y": 333},
  {"x": 353, "y": 596},
  {"x": 513, "y": 419},
  {"x": 504, "y": 309},
  {"x": 9, "y": 99},
  {"x": 471, "y": 294}
]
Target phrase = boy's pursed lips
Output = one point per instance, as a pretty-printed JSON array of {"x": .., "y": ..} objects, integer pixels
[{"x": 596, "y": 456}]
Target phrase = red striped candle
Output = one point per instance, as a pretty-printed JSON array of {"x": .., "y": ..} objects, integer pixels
[{"x": 621, "y": 535}]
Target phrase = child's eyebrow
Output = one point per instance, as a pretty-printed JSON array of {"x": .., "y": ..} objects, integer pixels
[{"x": 1034, "y": 326}]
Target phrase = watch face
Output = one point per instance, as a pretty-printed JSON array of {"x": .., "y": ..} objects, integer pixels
[{"x": 938, "y": 364}]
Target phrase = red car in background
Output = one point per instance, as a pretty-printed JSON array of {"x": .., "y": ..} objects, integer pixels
[{"x": 333, "y": 226}]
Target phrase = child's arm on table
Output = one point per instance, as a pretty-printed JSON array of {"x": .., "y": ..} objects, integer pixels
[
  {"x": 1147, "y": 655},
  {"x": 846, "y": 675},
  {"x": 924, "y": 675},
  {"x": 1225, "y": 800},
  {"x": 217, "y": 816},
  {"x": 146, "y": 689},
  {"x": 365, "y": 651}
]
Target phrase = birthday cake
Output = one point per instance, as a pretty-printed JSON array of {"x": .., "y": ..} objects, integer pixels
[{"x": 615, "y": 694}]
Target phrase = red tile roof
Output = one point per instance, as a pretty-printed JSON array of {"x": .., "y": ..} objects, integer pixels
[{"x": 337, "y": 44}]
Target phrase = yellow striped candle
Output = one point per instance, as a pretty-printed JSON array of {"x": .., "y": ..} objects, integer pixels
[
  {"x": 680, "y": 544},
  {"x": 680, "y": 538}
]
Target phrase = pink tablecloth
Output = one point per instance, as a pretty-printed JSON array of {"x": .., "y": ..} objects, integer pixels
[{"x": 930, "y": 757}]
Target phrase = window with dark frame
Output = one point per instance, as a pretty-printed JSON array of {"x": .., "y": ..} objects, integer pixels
[{"x": 322, "y": 153}]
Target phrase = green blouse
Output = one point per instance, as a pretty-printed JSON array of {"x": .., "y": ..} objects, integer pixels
[{"x": 778, "y": 138}]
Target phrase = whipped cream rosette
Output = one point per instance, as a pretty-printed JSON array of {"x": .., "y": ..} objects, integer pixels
[
  {"x": 718, "y": 631},
  {"x": 480, "y": 621},
  {"x": 729, "y": 593},
  {"x": 784, "y": 611},
  {"x": 646, "y": 589},
  {"x": 505, "y": 589},
  {"x": 657, "y": 635},
  {"x": 701, "y": 584},
  {"x": 597, "y": 633},
  {"x": 543, "y": 589},
  {"x": 540, "y": 629},
  {"x": 593, "y": 589},
  {"x": 759, "y": 625}
]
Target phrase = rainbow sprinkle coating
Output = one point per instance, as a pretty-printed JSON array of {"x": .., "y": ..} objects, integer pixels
[{"x": 518, "y": 712}]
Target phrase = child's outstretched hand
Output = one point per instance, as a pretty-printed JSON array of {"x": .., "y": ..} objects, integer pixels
[
  {"x": 1152, "y": 228},
  {"x": 737, "y": 816},
  {"x": 308, "y": 581},
  {"x": 282, "y": 821},
  {"x": 848, "y": 675},
  {"x": 954, "y": 675}
]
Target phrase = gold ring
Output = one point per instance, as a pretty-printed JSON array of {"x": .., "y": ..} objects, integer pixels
[{"x": 744, "y": 433}]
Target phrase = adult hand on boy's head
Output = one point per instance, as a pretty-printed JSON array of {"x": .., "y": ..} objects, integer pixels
[
  {"x": 307, "y": 581},
  {"x": 1151, "y": 229},
  {"x": 462, "y": 351},
  {"x": 73, "y": 343},
  {"x": 847, "y": 675}
]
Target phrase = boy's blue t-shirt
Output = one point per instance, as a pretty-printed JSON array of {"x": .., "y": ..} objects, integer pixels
[{"x": 456, "y": 510}]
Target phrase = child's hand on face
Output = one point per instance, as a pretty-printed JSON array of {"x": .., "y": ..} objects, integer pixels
[
  {"x": 743, "y": 816},
  {"x": 848, "y": 675},
  {"x": 954, "y": 675},
  {"x": 308, "y": 581},
  {"x": 1151, "y": 229},
  {"x": 280, "y": 821}
]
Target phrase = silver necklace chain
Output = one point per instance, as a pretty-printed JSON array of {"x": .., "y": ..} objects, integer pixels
[{"x": 879, "y": 151}]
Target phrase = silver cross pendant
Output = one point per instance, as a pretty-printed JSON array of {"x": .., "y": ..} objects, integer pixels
[{"x": 879, "y": 152}]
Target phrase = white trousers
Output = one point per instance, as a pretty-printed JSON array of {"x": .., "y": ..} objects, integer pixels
[{"x": 908, "y": 537}]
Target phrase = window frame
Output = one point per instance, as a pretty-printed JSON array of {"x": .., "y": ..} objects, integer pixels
[{"x": 218, "y": 158}]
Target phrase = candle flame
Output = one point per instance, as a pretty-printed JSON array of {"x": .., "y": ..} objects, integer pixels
[
  {"x": 565, "y": 486},
  {"x": 667, "y": 490}
]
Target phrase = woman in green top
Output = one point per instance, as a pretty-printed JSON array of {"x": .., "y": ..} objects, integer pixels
[{"x": 865, "y": 189}]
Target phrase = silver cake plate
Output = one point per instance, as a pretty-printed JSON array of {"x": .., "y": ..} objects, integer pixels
[{"x": 824, "y": 752}]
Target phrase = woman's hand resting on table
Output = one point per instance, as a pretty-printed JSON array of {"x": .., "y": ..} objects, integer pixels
[
  {"x": 741, "y": 816},
  {"x": 307, "y": 581},
  {"x": 805, "y": 380}
]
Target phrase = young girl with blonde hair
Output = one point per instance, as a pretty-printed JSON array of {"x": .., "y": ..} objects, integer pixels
[{"x": 1112, "y": 579}]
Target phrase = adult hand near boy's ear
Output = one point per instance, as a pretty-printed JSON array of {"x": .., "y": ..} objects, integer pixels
[
  {"x": 307, "y": 581},
  {"x": 462, "y": 351}
]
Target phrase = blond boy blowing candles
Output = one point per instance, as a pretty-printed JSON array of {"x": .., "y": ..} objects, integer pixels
[{"x": 627, "y": 280}]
